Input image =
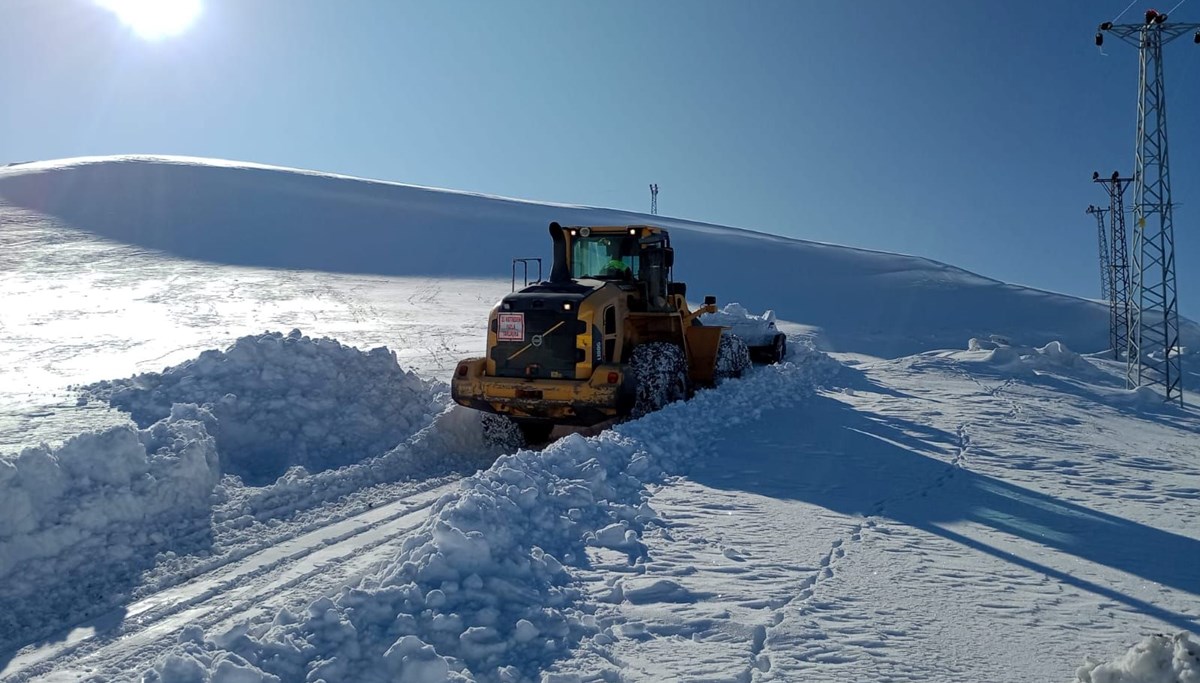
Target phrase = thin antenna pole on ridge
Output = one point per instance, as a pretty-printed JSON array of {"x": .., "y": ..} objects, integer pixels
[{"x": 654, "y": 199}]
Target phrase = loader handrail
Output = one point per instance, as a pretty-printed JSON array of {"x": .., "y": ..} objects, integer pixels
[{"x": 525, "y": 276}]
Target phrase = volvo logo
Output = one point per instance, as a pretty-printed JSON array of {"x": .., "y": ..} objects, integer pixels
[{"x": 537, "y": 340}]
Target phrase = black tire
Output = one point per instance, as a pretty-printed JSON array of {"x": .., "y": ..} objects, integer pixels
[
  {"x": 660, "y": 373},
  {"x": 779, "y": 350},
  {"x": 535, "y": 433},
  {"x": 503, "y": 432},
  {"x": 733, "y": 357}
]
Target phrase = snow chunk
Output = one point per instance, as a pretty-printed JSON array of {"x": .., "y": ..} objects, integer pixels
[
  {"x": 641, "y": 592},
  {"x": 1156, "y": 659},
  {"x": 409, "y": 659}
]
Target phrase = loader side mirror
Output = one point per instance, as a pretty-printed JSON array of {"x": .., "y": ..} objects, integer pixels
[
  {"x": 710, "y": 300},
  {"x": 668, "y": 257}
]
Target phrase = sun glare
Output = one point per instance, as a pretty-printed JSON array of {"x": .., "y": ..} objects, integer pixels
[{"x": 154, "y": 19}]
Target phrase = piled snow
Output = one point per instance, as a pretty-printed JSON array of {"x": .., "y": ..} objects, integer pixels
[
  {"x": 1157, "y": 659},
  {"x": 68, "y": 514},
  {"x": 755, "y": 330},
  {"x": 79, "y": 524},
  {"x": 484, "y": 590},
  {"x": 288, "y": 401}
]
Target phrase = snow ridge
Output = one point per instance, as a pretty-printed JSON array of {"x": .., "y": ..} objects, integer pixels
[{"x": 485, "y": 590}]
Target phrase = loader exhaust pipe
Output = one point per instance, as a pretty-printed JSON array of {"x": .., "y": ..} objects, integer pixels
[{"x": 559, "y": 272}]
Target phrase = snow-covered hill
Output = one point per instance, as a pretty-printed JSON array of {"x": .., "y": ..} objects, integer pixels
[
  {"x": 956, "y": 494},
  {"x": 868, "y": 302}
]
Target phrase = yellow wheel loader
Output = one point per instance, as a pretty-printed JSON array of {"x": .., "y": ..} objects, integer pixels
[{"x": 609, "y": 335}]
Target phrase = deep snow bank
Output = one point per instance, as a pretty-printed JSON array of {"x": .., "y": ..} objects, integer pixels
[
  {"x": 286, "y": 401},
  {"x": 1156, "y": 659},
  {"x": 243, "y": 214},
  {"x": 484, "y": 590},
  {"x": 71, "y": 516}
]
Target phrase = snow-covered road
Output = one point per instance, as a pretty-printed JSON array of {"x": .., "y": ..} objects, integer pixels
[{"x": 287, "y": 575}]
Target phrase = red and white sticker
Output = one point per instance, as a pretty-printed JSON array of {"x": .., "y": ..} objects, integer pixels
[{"x": 511, "y": 327}]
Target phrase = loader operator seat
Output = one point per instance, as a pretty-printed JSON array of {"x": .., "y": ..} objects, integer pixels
[{"x": 618, "y": 268}]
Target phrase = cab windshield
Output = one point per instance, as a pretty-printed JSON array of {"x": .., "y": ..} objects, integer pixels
[{"x": 604, "y": 256}]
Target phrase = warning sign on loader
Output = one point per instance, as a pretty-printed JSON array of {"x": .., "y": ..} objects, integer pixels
[{"x": 511, "y": 327}]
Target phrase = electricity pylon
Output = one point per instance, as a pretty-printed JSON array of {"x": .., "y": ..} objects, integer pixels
[
  {"x": 1152, "y": 356},
  {"x": 1118, "y": 301}
]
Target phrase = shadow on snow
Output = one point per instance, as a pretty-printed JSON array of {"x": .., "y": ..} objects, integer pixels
[{"x": 831, "y": 455}]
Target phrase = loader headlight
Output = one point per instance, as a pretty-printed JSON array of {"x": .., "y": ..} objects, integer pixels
[{"x": 567, "y": 306}]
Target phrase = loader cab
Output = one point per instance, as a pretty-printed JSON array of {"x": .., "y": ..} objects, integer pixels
[{"x": 636, "y": 258}]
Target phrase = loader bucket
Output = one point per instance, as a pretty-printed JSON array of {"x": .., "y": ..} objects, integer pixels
[{"x": 702, "y": 344}]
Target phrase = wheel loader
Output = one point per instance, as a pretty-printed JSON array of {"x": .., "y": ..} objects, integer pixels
[{"x": 609, "y": 335}]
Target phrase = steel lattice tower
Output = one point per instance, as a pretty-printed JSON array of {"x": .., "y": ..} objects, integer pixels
[
  {"x": 1152, "y": 358},
  {"x": 654, "y": 199},
  {"x": 1106, "y": 283},
  {"x": 1118, "y": 301}
]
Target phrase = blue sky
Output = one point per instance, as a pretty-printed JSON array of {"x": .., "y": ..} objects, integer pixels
[{"x": 962, "y": 131}]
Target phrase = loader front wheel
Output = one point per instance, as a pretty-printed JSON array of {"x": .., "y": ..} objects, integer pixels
[
  {"x": 733, "y": 357},
  {"x": 779, "y": 348},
  {"x": 660, "y": 371}
]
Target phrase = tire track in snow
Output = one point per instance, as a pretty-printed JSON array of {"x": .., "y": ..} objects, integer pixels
[{"x": 322, "y": 559}]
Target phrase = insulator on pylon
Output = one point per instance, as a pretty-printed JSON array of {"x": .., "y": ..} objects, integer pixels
[
  {"x": 1150, "y": 16},
  {"x": 1162, "y": 18},
  {"x": 1099, "y": 39},
  {"x": 1095, "y": 175},
  {"x": 1106, "y": 26},
  {"x": 1115, "y": 176}
]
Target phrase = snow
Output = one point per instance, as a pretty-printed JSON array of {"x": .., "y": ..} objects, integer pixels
[
  {"x": 1156, "y": 659},
  {"x": 962, "y": 486},
  {"x": 273, "y": 413}
]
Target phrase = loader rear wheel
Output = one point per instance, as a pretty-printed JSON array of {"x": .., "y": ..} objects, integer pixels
[
  {"x": 502, "y": 431},
  {"x": 660, "y": 371},
  {"x": 733, "y": 357},
  {"x": 535, "y": 433}
]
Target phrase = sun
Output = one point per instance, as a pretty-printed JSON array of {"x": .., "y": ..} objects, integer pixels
[{"x": 154, "y": 19}]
